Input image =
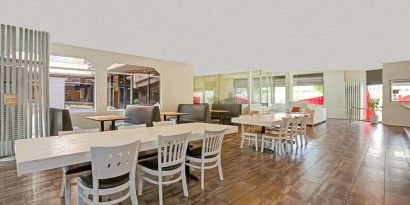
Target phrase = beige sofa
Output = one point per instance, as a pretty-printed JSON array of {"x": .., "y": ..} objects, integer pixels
[{"x": 317, "y": 115}]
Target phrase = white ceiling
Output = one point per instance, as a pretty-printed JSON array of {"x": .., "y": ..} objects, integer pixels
[{"x": 218, "y": 36}]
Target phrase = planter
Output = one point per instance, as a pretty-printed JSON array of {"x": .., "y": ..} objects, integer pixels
[{"x": 374, "y": 119}]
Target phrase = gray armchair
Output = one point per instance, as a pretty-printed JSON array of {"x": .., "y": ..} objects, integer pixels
[
  {"x": 60, "y": 120},
  {"x": 234, "y": 111},
  {"x": 197, "y": 113},
  {"x": 142, "y": 115}
]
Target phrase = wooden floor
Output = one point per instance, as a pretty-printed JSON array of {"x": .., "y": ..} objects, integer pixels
[{"x": 343, "y": 164}]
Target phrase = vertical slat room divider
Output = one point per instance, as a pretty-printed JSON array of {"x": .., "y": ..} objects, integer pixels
[{"x": 24, "y": 100}]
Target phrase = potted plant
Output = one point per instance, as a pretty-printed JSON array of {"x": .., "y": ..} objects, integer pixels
[{"x": 373, "y": 106}]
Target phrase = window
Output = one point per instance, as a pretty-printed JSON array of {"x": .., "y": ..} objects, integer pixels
[
  {"x": 241, "y": 90},
  {"x": 308, "y": 88},
  {"x": 400, "y": 90},
  {"x": 280, "y": 89},
  {"x": 72, "y": 84}
]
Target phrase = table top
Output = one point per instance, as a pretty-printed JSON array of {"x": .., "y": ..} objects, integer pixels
[
  {"x": 174, "y": 113},
  {"x": 220, "y": 111},
  {"x": 38, "y": 154},
  {"x": 266, "y": 119},
  {"x": 107, "y": 117}
]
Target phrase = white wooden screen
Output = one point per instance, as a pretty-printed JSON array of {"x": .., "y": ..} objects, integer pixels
[
  {"x": 354, "y": 92},
  {"x": 24, "y": 60}
]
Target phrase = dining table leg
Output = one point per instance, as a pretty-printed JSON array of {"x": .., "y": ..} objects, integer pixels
[
  {"x": 113, "y": 125},
  {"x": 165, "y": 117},
  {"x": 102, "y": 126},
  {"x": 220, "y": 118},
  {"x": 189, "y": 175}
]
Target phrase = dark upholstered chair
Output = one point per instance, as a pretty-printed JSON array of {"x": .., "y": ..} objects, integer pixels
[
  {"x": 60, "y": 120},
  {"x": 142, "y": 115},
  {"x": 197, "y": 113},
  {"x": 234, "y": 111}
]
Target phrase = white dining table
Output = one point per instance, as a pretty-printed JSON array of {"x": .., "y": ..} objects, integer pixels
[
  {"x": 264, "y": 119},
  {"x": 39, "y": 154}
]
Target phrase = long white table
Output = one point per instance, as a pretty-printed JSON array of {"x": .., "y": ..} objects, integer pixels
[{"x": 46, "y": 153}]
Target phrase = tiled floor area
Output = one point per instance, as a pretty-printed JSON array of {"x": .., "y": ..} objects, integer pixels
[{"x": 343, "y": 164}]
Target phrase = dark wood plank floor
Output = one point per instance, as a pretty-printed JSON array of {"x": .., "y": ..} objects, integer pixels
[{"x": 343, "y": 164}]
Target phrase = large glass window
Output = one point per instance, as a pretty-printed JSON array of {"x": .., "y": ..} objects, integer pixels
[
  {"x": 280, "y": 89},
  {"x": 308, "y": 88},
  {"x": 241, "y": 90},
  {"x": 400, "y": 90},
  {"x": 72, "y": 84}
]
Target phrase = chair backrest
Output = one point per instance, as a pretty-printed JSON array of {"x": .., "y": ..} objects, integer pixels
[
  {"x": 284, "y": 125},
  {"x": 60, "y": 120},
  {"x": 212, "y": 142},
  {"x": 235, "y": 110},
  {"x": 124, "y": 127},
  {"x": 164, "y": 123},
  {"x": 196, "y": 112},
  {"x": 138, "y": 114},
  {"x": 110, "y": 162},
  {"x": 63, "y": 133},
  {"x": 172, "y": 149},
  {"x": 303, "y": 121}
]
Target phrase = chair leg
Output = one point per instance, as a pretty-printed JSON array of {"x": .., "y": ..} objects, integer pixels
[
  {"x": 263, "y": 143},
  {"x": 133, "y": 193},
  {"x": 140, "y": 182},
  {"x": 79, "y": 197},
  {"x": 221, "y": 175},
  {"x": 256, "y": 142},
  {"x": 62, "y": 186},
  {"x": 304, "y": 136},
  {"x": 67, "y": 189},
  {"x": 160, "y": 190},
  {"x": 202, "y": 176},
  {"x": 184, "y": 185},
  {"x": 296, "y": 139},
  {"x": 243, "y": 139},
  {"x": 280, "y": 147}
]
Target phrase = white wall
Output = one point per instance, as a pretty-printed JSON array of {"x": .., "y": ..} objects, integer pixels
[
  {"x": 176, "y": 78},
  {"x": 393, "y": 112},
  {"x": 334, "y": 93}
]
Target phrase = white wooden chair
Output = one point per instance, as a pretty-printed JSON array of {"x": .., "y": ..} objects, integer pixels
[
  {"x": 113, "y": 171},
  {"x": 69, "y": 171},
  {"x": 293, "y": 131},
  {"x": 164, "y": 123},
  {"x": 302, "y": 129},
  {"x": 279, "y": 135},
  {"x": 124, "y": 127},
  {"x": 207, "y": 156},
  {"x": 170, "y": 161},
  {"x": 248, "y": 134}
]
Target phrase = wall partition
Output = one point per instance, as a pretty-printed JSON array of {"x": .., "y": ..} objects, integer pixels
[
  {"x": 24, "y": 98},
  {"x": 247, "y": 88}
]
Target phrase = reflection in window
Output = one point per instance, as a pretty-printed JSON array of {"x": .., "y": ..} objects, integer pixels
[
  {"x": 132, "y": 85},
  {"x": 241, "y": 90},
  {"x": 308, "y": 88},
  {"x": 400, "y": 90},
  {"x": 72, "y": 83}
]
